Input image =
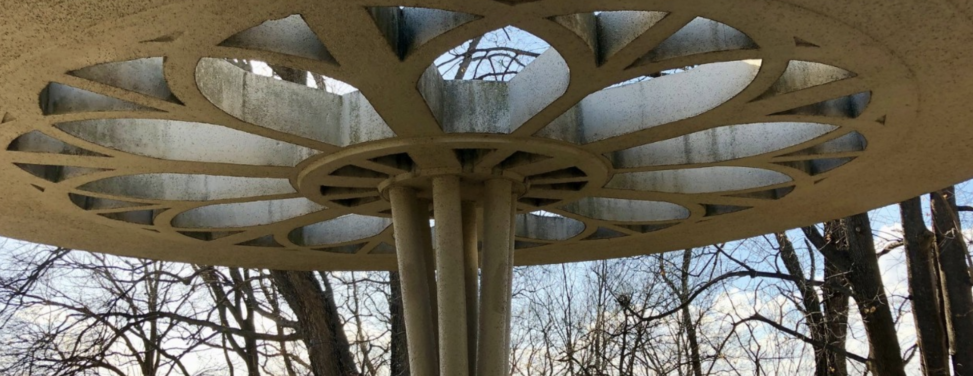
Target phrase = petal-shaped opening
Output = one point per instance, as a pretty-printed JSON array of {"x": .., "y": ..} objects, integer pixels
[
  {"x": 630, "y": 108},
  {"x": 184, "y": 141},
  {"x": 288, "y": 107},
  {"x": 498, "y": 55},
  {"x": 721, "y": 144},
  {"x": 343, "y": 229},
  {"x": 245, "y": 214},
  {"x": 623, "y": 210},
  {"x": 535, "y": 76},
  {"x": 547, "y": 227},
  {"x": 698, "y": 180},
  {"x": 188, "y": 187}
]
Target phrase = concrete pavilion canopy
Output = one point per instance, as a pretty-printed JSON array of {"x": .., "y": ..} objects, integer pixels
[{"x": 127, "y": 131}]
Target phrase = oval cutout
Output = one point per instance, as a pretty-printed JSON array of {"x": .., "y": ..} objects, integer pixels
[
  {"x": 547, "y": 227},
  {"x": 188, "y": 187},
  {"x": 721, "y": 144},
  {"x": 245, "y": 214},
  {"x": 698, "y": 180},
  {"x": 343, "y": 229},
  {"x": 185, "y": 141},
  {"x": 624, "y": 210}
]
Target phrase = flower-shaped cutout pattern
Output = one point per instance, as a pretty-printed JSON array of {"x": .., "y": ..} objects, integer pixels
[{"x": 617, "y": 124}]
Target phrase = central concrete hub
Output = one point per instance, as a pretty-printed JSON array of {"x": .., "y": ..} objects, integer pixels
[{"x": 541, "y": 173}]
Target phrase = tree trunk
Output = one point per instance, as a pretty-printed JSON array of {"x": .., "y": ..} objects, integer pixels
[
  {"x": 399, "y": 346},
  {"x": 955, "y": 279},
  {"x": 811, "y": 305},
  {"x": 924, "y": 291},
  {"x": 835, "y": 326},
  {"x": 869, "y": 292},
  {"x": 319, "y": 325},
  {"x": 693, "y": 342}
]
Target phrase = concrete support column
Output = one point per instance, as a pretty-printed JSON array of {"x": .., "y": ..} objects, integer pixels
[
  {"x": 497, "y": 264},
  {"x": 411, "y": 226},
  {"x": 451, "y": 275},
  {"x": 471, "y": 269}
]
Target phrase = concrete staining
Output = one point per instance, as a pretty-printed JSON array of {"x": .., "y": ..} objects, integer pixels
[{"x": 147, "y": 142}]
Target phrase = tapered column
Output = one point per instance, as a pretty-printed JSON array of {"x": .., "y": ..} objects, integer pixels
[
  {"x": 472, "y": 268},
  {"x": 451, "y": 276},
  {"x": 496, "y": 267},
  {"x": 411, "y": 225}
]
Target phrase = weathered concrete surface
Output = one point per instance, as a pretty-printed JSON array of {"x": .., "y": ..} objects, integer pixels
[{"x": 127, "y": 132}]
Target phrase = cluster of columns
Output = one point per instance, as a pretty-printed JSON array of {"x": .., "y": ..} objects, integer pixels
[{"x": 468, "y": 322}]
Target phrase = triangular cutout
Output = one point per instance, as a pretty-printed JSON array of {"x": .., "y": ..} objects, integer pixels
[
  {"x": 619, "y": 28},
  {"x": 263, "y": 241},
  {"x": 851, "y": 142},
  {"x": 152, "y": 230},
  {"x": 40, "y": 142},
  {"x": 568, "y": 175},
  {"x": 770, "y": 194},
  {"x": 714, "y": 210},
  {"x": 608, "y": 32},
  {"x": 700, "y": 36},
  {"x": 343, "y": 249},
  {"x": 522, "y": 158},
  {"x": 407, "y": 28},
  {"x": 165, "y": 38},
  {"x": 519, "y": 244},
  {"x": 845, "y": 107},
  {"x": 881, "y": 120},
  {"x": 37, "y": 187},
  {"x": 7, "y": 117},
  {"x": 143, "y": 76},
  {"x": 803, "y": 43},
  {"x": 59, "y": 98},
  {"x": 537, "y": 202},
  {"x": 139, "y": 217},
  {"x": 55, "y": 173},
  {"x": 98, "y": 203},
  {"x": 351, "y": 171},
  {"x": 647, "y": 227},
  {"x": 585, "y": 25},
  {"x": 817, "y": 166},
  {"x": 288, "y": 35},
  {"x": 208, "y": 235},
  {"x": 383, "y": 248},
  {"x": 605, "y": 233},
  {"x": 800, "y": 75}
]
